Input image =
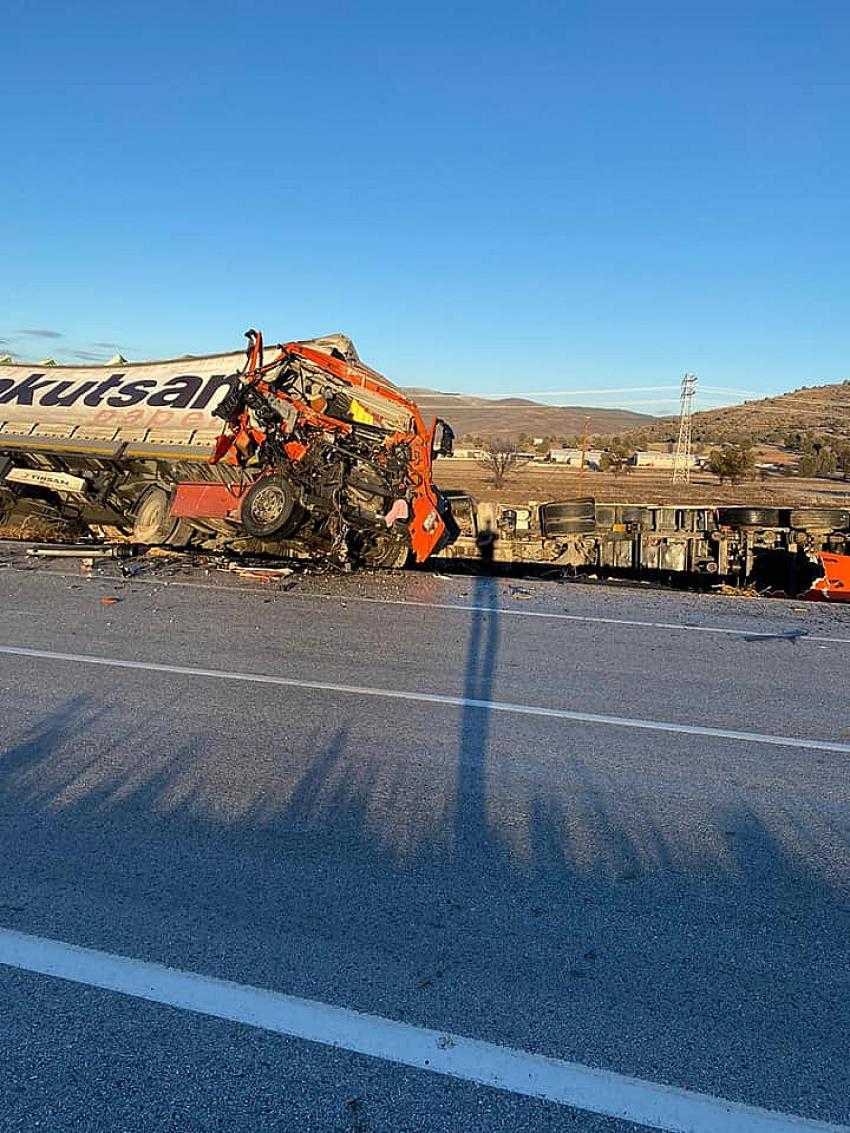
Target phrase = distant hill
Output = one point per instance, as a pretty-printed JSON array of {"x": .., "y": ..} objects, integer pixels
[
  {"x": 821, "y": 410},
  {"x": 507, "y": 417}
]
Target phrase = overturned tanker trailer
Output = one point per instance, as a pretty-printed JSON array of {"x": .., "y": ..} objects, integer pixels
[{"x": 302, "y": 446}]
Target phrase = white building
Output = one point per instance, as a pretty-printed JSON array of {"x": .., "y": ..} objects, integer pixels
[
  {"x": 468, "y": 453},
  {"x": 572, "y": 457},
  {"x": 647, "y": 458}
]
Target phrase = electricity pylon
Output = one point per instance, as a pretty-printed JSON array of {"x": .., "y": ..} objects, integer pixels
[{"x": 682, "y": 459}]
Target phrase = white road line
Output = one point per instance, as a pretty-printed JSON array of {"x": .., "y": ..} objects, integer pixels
[
  {"x": 168, "y": 583},
  {"x": 432, "y": 698},
  {"x": 596, "y": 1091},
  {"x": 780, "y": 635}
]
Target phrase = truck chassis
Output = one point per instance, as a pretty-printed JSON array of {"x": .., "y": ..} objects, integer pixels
[{"x": 780, "y": 548}]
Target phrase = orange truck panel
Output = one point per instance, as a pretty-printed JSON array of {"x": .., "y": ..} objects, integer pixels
[{"x": 834, "y": 586}]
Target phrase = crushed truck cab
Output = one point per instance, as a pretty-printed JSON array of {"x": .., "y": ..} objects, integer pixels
[
  {"x": 337, "y": 455},
  {"x": 302, "y": 445}
]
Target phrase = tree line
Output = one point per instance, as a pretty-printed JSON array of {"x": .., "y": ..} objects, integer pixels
[{"x": 731, "y": 461}]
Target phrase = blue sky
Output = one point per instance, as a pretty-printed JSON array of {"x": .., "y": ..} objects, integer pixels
[{"x": 581, "y": 198}]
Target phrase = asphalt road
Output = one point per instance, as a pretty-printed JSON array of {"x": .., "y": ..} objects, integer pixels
[{"x": 667, "y": 905}]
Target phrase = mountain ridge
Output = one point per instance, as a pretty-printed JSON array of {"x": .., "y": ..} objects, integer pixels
[
  {"x": 822, "y": 410},
  {"x": 508, "y": 417},
  {"x": 782, "y": 419}
]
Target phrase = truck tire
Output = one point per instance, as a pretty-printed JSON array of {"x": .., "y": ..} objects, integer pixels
[
  {"x": 825, "y": 518},
  {"x": 576, "y": 526},
  {"x": 152, "y": 522},
  {"x": 552, "y": 528},
  {"x": 568, "y": 518},
  {"x": 270, "y": 508},
  {"x": 638, "y": 515},
  {"x": 749, "y": 517},
  {"x": 381, "y": 551}
]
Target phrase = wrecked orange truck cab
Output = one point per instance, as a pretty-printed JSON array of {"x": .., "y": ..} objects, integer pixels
[
  {"x": 338, "y": 456},
  {"x": 301, "y": 444}
]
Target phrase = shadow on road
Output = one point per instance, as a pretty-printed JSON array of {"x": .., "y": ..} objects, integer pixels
[
  {"x": 482, "y": 653},
  {"x": 586, "y": 900}
]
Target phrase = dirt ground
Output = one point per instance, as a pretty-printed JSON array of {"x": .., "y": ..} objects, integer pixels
[{"x": 550, "y": 482}]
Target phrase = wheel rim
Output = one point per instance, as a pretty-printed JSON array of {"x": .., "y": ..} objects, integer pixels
[
  {"x": 152, "y": 520},
  {"x": 268, "y": 505},
  {"x": 379, "y": 551}
]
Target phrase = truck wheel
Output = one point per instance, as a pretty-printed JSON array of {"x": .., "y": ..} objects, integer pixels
[
  {"x": 152, "y": 522},
  {"x": 569, "y": 527},
  {"x": 270, "y": 508},
  {"x": 568, "y": 518},
  {"x": 825, "y": 518},
  {"x": 570, "y": 509},
  {"x": 749, "y": 517},
  {"x": 638, "y": 515},
  {"x": 379, "y": 551}
]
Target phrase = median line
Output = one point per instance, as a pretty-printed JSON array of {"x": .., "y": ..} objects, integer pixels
[
  {"x": 463, "y": 702},
  {"x": 650, "y": 1104}
]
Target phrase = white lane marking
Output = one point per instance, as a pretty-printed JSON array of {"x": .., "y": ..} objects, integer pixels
[
  {"x": 167, "y": 583},
  {"x": 779, "y": 635},
  {"x": 604, "y": 1092},
  {"x": 431, "y": 698}
]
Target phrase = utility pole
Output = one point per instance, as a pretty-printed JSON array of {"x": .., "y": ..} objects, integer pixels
[
  {"x": 585, "y": 441},
  {"x": 682, "y": 459}
]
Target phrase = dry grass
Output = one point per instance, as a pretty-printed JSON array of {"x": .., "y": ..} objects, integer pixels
[{"x": 549, "y": 482}]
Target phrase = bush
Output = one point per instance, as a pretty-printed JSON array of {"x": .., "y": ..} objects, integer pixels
[
  {"x": 732, "y": 462},
  {"x": 820, "y": 462},
  {"x": 617, "y": 456},
  {"x": 500, "y": 458}
]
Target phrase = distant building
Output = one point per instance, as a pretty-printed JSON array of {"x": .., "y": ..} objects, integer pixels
[
  {"x": 468, "y": 453},
  {"x": 572, "y": 457},
  {"x": 646, "y": 458}
]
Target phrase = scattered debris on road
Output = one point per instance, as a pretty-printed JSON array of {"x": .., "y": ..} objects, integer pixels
[
  {"x": 53, "y": 551},
  {"x": 259, "y": 573}
]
